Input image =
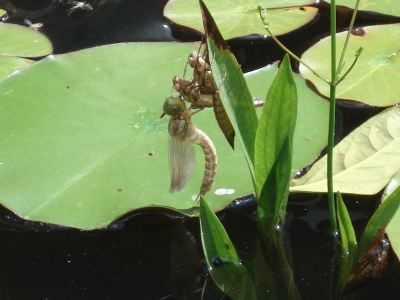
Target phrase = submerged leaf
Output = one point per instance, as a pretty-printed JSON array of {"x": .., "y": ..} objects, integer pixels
[{"x": 363, "y": 162}]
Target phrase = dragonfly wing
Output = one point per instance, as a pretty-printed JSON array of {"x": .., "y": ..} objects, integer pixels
[{"x": 182, "y": 161}]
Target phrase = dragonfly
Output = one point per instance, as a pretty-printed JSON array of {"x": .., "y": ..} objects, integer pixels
[
  {"x": 202, "y": 91},
  {"x": 182, "y": 156}
]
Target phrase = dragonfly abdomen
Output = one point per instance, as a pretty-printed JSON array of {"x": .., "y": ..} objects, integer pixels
[{"x": 211, "y": 160}]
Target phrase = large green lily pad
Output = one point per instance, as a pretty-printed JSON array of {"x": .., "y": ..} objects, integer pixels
[
  {"x": 239, "y": 18},
  {"x": 374, "y": 79},
  {"x": 82, "y": 143}
]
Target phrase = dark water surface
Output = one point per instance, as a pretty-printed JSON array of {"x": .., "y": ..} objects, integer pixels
[{"x": 156, "y": 254}]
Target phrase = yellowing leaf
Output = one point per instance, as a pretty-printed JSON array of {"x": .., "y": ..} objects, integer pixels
[{"x": 363, "y": 162}]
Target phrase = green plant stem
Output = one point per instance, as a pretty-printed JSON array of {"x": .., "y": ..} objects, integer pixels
[
  {"x": 341, "y": 64},
  {"x": 331, "y": 134},
  {"x": 266, "y": 27}
]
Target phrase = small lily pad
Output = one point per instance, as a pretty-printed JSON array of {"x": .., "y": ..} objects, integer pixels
[
  {"x": 9, "y": 64},
  {"x": 16, "y": 40},
  {"x": 375, "y": 78},
  {"x": 241, "y": 17}
]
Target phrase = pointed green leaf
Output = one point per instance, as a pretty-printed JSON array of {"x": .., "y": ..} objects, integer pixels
[
  {"x": 273, "y": 145},
  {"x": 223, "y": 262},
  {"x": 348, "y": 243},
  {"x": 310, "y": 135},
  {"x": 235, "y": 95},
  {"x": 379, "y": 220},
  {"x": 393, "y": 229}
]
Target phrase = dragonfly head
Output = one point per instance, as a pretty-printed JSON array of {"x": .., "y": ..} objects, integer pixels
[{"x": 174, "y": 106}]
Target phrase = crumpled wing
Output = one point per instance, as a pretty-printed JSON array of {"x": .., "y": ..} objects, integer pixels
[{"x": 182, "y": 161}]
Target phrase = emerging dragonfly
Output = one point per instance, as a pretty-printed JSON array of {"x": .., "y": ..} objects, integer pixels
[
  {"x": 202, "y": 91},
  {"x": 182, "y": 156}
]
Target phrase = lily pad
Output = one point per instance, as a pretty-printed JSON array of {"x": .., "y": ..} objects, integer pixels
[
  {"x": 21, "y": 41},
  {"x": 375, "y": 78},
  {"x": 389, "y": 7},
  {"x": 311, "y": 131},
  {"x": 82, "y": 143},
  {"x": 240, "y": 18},
  {"x": 9, "y": 64},
  {"x": 363, "y": 162}
]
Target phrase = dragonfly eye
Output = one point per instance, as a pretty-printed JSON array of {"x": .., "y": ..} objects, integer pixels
[{"x": 174, "y": 106}]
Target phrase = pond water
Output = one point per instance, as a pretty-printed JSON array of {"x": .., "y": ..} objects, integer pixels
[{"x": 155, "y": 253}]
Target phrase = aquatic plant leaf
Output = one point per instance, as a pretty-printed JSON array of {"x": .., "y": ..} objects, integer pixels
[
  {"x": 311, "y": 132},
  {"x": 363, "y": 162},
  {"x": 17, "y": 40},
  {"x": 391, "y": 7},
  {"x": 375, "y": 78},
  {"x": 241, "y": 18},
  {"x": 10, "y": 64},
  {"x": 223, "y": 262},
  {"x": 348, "y": 243},
  {"x": 273, "y": 145},
  {"x": 82, "y": 143},
  {"x": 235, "y": 95}
]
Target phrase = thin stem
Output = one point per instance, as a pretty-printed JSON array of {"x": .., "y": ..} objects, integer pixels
[
  {"x": 331, "y": 134},
  {"x": 341, "y": 64},
  {"x": 358, "y": 53},
  {"x": 266, "y": 26}
]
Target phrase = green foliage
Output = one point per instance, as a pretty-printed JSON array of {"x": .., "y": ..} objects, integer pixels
[
  {"x": 273, "y": 151},
  {"x": 232, "y": 15},
  {"x": 348, "y": 243},
  {"x": 374, "y": 78},
  {"x": 223, "y": 262},
  {"x": 379, "y": 220},
  {"x": 311, "y": 131},
  {"x": 16, "y": 44},
  {"x": 363, "y": 160},
  {"x": 83, "y": 143}
]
